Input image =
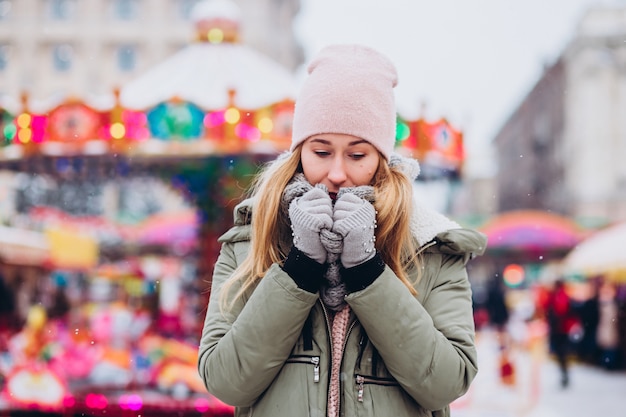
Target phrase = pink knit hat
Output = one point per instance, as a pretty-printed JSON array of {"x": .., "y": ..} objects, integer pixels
[{"x": 349, "y": 90}]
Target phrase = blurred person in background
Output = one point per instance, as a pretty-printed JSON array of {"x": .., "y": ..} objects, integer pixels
[
  {"x": 589, "y": 312},
  {"x": 335, "y": 293},
  {"x": 607, "y": 334},
  {"x": 561, "y": 320},
  {"x": 497, "y": 308},
  {"x": 8, "y": 316},
  {"x": 59, "y": 305}
]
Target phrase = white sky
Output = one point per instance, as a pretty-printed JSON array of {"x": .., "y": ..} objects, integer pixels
[{"x": 471, "y": 61}]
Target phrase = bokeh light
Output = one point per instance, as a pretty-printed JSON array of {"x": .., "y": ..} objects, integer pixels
[
  {"x": 201, "y": 405},
  {"x": 214, "y": 119},
  {"x": 24, "y": 120},
  {"x": 247, "y": 132},
  {"x": 513, "y": 275},
  {"x": 266, "y": 125},
  {"x": 9, "y": 131},
  {"x": 25, "y": 135},
  {"x": 215, "y": 35},
  {"x": 117, "y": 130},
  {"x": 130, "y": 402},
  {"x": 96, "y": 401},
  {"x": 402, "y": 131},
  {"x": 232, "y": 115}
]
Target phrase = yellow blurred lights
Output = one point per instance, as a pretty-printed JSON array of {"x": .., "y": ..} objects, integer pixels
[
  {"x": 215, "y": 35},
  {"x": 24, "y": 120},
  {"x": 117, "y": 130},
  {"x": 232, "y": 115},
  {"x": 25, "y": 135},
  {"x": 266, "y": 125}
]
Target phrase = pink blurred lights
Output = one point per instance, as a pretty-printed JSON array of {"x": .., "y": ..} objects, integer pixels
[{"x": 131, "y": 402}]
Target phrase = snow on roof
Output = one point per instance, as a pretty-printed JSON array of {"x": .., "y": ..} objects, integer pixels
[
  {"x": 10, "y": 103},
  {"x": 205, "y": 73},
  {"x": 98, "y": 102},
  {"x": 211, "y": 9}
]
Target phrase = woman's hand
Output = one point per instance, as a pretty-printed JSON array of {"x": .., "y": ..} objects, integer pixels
[
  {"x": 310, "y": 214},
  {"x": 355, "y": 220}
]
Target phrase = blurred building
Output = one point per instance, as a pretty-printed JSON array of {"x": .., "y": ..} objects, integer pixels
[
  {"x": 79, "y": 47},
  {"x": 563, "y": 148}
]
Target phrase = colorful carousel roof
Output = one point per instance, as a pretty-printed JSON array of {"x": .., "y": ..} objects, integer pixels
[
  {"x": 532, "y": 232},
  {"x": 215, "y": 96}
]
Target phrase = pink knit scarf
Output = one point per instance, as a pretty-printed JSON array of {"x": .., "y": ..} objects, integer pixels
[{"x": 339, "y": 328}]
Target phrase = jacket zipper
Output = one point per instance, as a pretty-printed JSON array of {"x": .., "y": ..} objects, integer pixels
[
  {"x": 315, "y": 360},
  {"x": 362, "y": 380},
  {"x": 330, "y": 344},
  {"x": 362, "y": 343},
  {"x": 343, "y": 349}
]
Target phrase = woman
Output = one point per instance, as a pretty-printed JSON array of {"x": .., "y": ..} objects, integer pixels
[{"x": 334, "y": 295}]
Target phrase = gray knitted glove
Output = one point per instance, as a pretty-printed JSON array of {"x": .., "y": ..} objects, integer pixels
[
  {"x": 355, "y": 220},
  {"x": 310, "y": 214}
]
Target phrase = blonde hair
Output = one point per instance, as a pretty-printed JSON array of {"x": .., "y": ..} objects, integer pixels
[{"x": 394, "y": 240}]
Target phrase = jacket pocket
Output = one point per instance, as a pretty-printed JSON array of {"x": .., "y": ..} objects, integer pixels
[
  {"x": 362, "y": 380},
  {"x": 387, "y": 394},
  {"x": 294, "y": 391},
  {"x": 308, "y": 360}
]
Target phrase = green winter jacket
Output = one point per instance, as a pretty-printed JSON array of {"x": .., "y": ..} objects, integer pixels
[{"x": 404, "y": 355}]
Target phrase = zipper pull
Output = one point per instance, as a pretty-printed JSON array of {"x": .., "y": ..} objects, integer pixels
[
  {"x": 360, "y": 380},
  {"x": 316, "y": 370}
]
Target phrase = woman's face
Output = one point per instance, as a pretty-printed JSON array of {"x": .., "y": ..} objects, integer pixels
[{"x": 339, "y": 161}]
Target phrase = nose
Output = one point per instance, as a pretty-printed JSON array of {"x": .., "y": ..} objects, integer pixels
[{"x": 337, "y": 171}]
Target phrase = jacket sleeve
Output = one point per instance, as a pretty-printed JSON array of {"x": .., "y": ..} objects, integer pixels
[
  {"x": 243, "y": 349},
  {"x": 428, "y": 347}
]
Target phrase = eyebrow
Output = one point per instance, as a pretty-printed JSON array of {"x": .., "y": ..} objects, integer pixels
[{"x": 327, "y": 142}]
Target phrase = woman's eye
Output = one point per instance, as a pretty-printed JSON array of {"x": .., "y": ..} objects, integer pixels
[
  {"x": 322, "y": 153},
  {"x": 357, "y": 155}
]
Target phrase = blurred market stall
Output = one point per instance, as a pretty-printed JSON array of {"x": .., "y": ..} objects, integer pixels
[
  {"x": 531, "y": 235},
  {"x": 23, "y": 247},
  {"x": 603, "y": 254},
  {"x": 525, "y": 246},
  {"x": 111, "y": 199},
  {"x": 522, "y": 259}
]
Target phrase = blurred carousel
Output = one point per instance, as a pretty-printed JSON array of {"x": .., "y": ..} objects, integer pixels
[
  {"x": 198, "y": 123},
  {"x": 111, "y": 207}
]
